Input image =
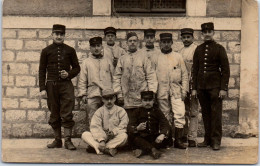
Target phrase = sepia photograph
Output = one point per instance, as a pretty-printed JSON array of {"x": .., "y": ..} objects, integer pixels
[{"x": 130, "y": 81}]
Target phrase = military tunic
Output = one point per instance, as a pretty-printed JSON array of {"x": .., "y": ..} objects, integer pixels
[{"x": 113, "y": 53}]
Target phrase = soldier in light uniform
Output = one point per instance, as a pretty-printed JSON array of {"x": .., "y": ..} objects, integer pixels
[
  {"x": 96, "y": 75},
  {"x": 210, "y": 82},
  {"x": 133, "y": 74},
  {"x": 173, "y": 85},
  {"x": 59, "y": 61},
  {"x": 111, "y": 50},
  {"x": 191, "y": 103}
]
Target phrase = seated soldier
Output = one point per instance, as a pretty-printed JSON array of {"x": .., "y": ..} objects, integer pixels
[
  {"x": 149, "y": 130},
  {"x": 108, "y": 126}
]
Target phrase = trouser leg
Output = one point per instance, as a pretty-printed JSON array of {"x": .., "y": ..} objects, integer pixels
[
  {"x": 178, "y": 109},
  {"x": 165, "y": 107},
  {"x": 93, "y": 104},
  {"x": 193, "y": 125},
  {"x": 143, "y": 143},
  {"x": 88, "y": 138},
  {"x": 118, "y": 141}
]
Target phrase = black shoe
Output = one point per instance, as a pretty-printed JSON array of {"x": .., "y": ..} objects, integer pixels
[
  {"x": 178, "y": 136},
  {"x": 57, "y": 143},
  {"x": 69, "y": 145},
  {"x": 112, "y": 152},
  {"x": 203, "y": 144},
  {"x": 192, "y": 143},
  {"x": 138, "y": 152},
  {"x": 216, "y": 147},
  {"x": 90, "y": 149},
  {"x": 155, "y": 153}
]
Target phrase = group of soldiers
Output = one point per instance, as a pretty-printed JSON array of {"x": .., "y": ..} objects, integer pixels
[{"x": 145, "y": 98}]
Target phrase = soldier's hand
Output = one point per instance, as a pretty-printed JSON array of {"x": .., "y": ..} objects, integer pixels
[
  {"x": 102, "y": 146},
  {"x": 110, "y": 135},
  {"x": 84, "y": 99},
  {"x": 222, "y": 94},
  {"x": 160, "y": 138},
  {"x": 43, "y": 94},
  {"x": 141, "y": 126},
  {"x": 120, "y": 101},
  {"x": 64, "y": 74},
  {"x": 194, "y": 93}
]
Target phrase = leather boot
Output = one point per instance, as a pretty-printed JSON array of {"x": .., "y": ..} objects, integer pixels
[
  {"x": 112, "y": 152},
  {"x": 178, "y": 135},
  {"x": 57, "y": 143},
  {"x": 68, "y": 144},
  {"x": 155, "y": 153}
]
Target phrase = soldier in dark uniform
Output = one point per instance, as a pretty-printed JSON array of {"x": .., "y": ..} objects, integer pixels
[
  {"x": 149, "y": 130},
  {"x": 61, "y": 64},
  {"x": 210, "y": 82}
]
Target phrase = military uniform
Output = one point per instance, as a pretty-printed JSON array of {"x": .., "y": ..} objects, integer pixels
[{"x": 210, "y": 75}]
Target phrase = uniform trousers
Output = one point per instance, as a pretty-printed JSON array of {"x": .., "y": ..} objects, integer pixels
[
  {"x": 61, "y": 102},
  {"x": 118, "y": 141},
  {"x": 191, "y": 117},
  {"x": 178, "y": 108},
  {"x": 211, "y": 107},
  {"x": 93, "y": 104}
]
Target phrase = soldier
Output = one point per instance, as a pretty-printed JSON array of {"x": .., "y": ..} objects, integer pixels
[
  {"x": 61, "y": 64},
  {"x": 97, "y": 72},
  {"x": 210, "y": 82},
  {"x": 111, "y": 50},
  {"x": 149, "y": 130},
  {"x": 149, "y": 38},
  {"x": 133, "y": 74},
  {"x": 173, "y": 85},
  {"x": 191, "y": 103},
  {"x": 108, "y": 126}
]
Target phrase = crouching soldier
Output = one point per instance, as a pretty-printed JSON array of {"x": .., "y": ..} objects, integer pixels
[
  {"x": 108, "y": 126},
  {"x": 61, "y": 64},
  {"x": 149, "y": 130}
]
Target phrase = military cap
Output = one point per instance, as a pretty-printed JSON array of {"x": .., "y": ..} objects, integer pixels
[
  {"x": 110, "y": 30},
  {"x": 149, "y": 32},
  {"x": 147, "y": 95},
  {"x": 95, "y": 40},
  {"x": 207, "y": 26},
  {"x": 108, "y": 92},
  {"x": 131, "y": 34},
  {"x": 58, "y": 28},
  {"x": 165, "y": 36},
  {"x": 187, "y": 31}
]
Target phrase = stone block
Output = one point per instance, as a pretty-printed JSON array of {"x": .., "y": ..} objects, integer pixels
[
  {"x": 217, "y": 35},
  {"x": 237, "y": 58},
  {"x": 224, "y": 8},
  {"x": 234, "y": 47},
  {"x": 21, "y": 130},
  {"x": 15, "y": 115},
  {"x": 9, "y": 103},
  {"x": 234, "y": 70},
  {"x": 25, "y": 81},
  {"x": 36, "y": 116},
  {"x": 79, "y": 116},
  {"x": 232, "y": 82},
  {"x": 8, "y": 56},
  {"x": 177, "y": 46},
  {"x": 7, "y": 80},
  {"x": 123, "y": 45},
  {"x": 15, "y": 68},
  {"x": 35, "y": 45},
  {"x": 121, "y": 35},
  {"x": 197, "y": 35},
  {"x": 16, "y": 92},
  {"x": 83, "y": 45},
  {"x": 45, "y": 34},
  {"x": 81, "y": 56},
  {"x": 13, "y": 44},
  {"x": 34, "y": 68},
  {"x": 34, "y": 92},
  {"x": 42, "y": 130},
  {"x": 233, "y": 93},
  {"x": 28, "y": 56},
  {"x": 231, "y": 35},
  {"x": 93, "y": 33},
  {"x": 79, "y": 128},
  {"x": 230, "y": 58},
  {"x": 44, "y": 103},
  {"x": 27, "y": 34},
  {"x": 74, "y": 34},
  {"x": 230, "y": 105},
  {"x": 6, "y": 130},
  {"x": 29, "y": 103},
  {"x": 8, "y": 33},
  {"x": 238, "y": 81},
  {"x": 71, "y": 43}
]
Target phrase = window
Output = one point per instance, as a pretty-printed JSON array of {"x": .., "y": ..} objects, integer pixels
[{"x": 149, "y": 6}]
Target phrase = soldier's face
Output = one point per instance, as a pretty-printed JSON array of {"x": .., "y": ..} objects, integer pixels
[
  {"x": 149, "y": 40},
  {"x": 132, "y": 43},
  {"x": 147, "y": 103},
  {"x": 109, "y": 101},
  {"x": 58, "y": 37},
  {"x": 166, "y": 45},
  {"x": 110, "y": 38},
  {"x": 207, "y": 35},
  {"x": 96, "y": 49},
  {"x": 187, "y": 39}
]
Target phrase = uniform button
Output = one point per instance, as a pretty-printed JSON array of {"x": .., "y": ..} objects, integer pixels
[
  {"x": 206, "y": 45},
  {"x": 149, "y": 117},
  {"x": 205, "y": 58},
  {"x": 205, "y": 67},
  {"x": 206, "y": 50},
  {"x": 205, "y": 63},
  {"x": 205, "y": 72},
  {"x": 58, "y": 54},
  {"x": 206, "y": 54}
]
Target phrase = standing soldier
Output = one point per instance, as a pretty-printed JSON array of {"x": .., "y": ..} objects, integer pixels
[
  {"x": 191, "y": 103},
  {"x": 96, "y": 75},
  {"x": 149, "y": 38},
  {"x": 210, "y": 82},
  {"x": 173, "y": 85},
  {"x": 133, "y": 74},
  {"x": 61, "y": 64},
  {"x": 112, "y": 51}
]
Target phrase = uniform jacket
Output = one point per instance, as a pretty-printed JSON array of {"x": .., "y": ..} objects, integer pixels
[
  {"x": 55, "y": 58},
  {"x": 134, "y": 74},
  {"x": 105, "y": 120},
  {"x": 113, "y": 52},
  {"x": 210, "y": 67},
  {"x": 156, "y": 123},
  {"x": 151, "y": 52},
  {"x": 172, "y": 75},
  {"x": 96, "y": 74}
]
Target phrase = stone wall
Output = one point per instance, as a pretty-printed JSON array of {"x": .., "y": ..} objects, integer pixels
[{"x": 24, "y": 114}]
